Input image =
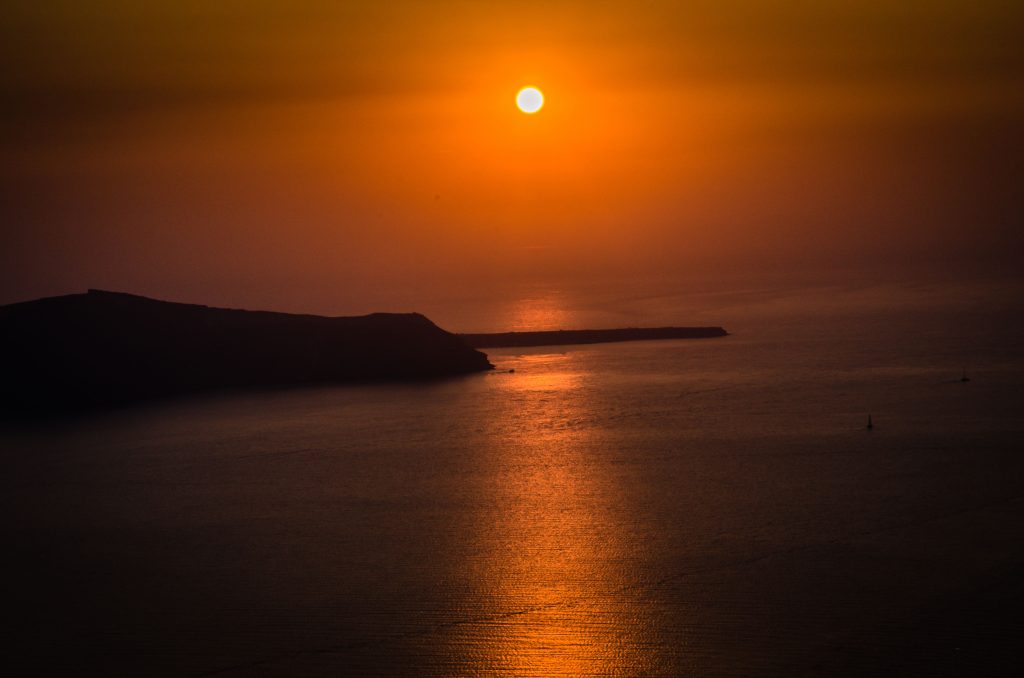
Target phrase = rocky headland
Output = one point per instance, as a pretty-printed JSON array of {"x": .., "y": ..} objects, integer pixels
[{"x": 103, "y": 348}]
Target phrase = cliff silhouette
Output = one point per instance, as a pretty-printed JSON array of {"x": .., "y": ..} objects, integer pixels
[{"x": 106, "y": 348}]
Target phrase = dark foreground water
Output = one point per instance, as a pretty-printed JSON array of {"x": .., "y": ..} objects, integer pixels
[{"x": 703, "y": 507}]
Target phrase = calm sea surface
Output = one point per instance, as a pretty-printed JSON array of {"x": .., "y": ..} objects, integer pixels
[{"x": 699, "y": 507}]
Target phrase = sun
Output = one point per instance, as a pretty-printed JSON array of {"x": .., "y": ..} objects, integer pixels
[{"x": 529, "y": 100}]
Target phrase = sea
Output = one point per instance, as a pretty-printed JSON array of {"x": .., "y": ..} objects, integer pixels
[{"x": 709, "y": 507}]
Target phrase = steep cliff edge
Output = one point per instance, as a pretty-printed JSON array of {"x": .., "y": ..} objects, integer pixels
[{"x": 101, "y": 348}]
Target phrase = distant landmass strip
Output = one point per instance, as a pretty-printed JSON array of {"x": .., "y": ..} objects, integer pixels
[
  {"x": 563, "y": 337},
  {"x": 103, "y": 348}
]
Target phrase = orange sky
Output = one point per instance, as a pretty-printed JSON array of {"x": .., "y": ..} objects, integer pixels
[{"x": 271, "y": 154}]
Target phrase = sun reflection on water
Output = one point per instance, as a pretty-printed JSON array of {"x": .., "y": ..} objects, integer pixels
[
  {"x": 540, "y": 376},
  {"x": 544, "y": 311},
  {"x": 552, "y": 561}
]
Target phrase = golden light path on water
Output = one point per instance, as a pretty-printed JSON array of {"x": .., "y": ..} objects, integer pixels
[
  {"x": 543, "y": 310},
  {"x": 553, "y": 572}
]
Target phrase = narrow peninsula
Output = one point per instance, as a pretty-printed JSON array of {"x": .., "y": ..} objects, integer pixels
[
  {"x": 564, "y": 337},
  {"x": 106, "y": 348}
]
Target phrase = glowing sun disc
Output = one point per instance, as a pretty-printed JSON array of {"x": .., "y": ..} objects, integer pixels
[{"x": 529, "y": 100}]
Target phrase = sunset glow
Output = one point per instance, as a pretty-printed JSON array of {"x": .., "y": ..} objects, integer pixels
[
  {"x": 313, "y": 153},
  {"x": 546, "y": 339}
]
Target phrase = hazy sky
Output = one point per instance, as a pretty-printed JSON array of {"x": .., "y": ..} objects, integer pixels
[{"x": 302, "y": 155}]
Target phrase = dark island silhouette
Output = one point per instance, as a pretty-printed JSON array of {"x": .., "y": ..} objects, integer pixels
[
  {"x": 564, "y": 337},
  {"x": 109, "y": 348}
]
